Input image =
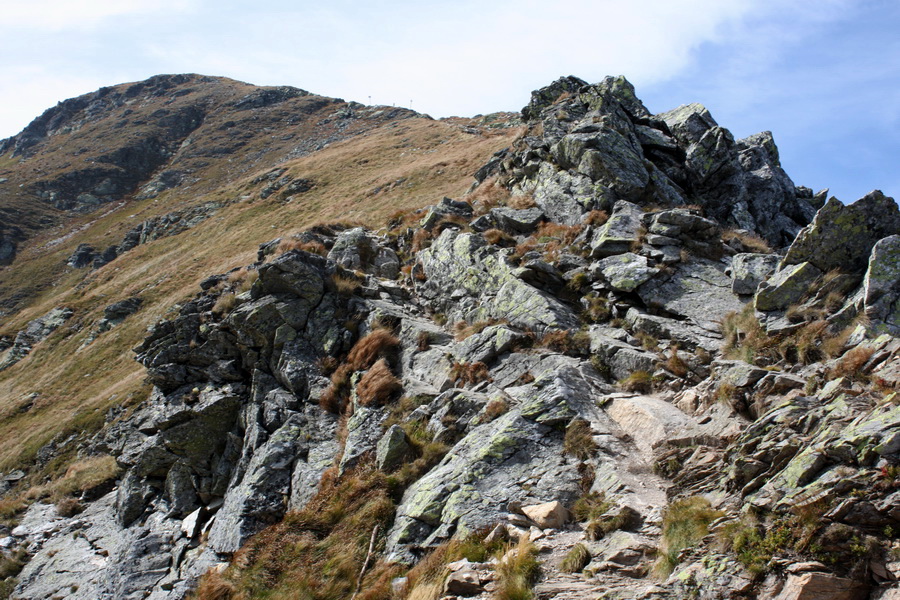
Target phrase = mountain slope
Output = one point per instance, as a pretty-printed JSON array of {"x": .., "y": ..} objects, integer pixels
[{"x": 589, "y": 375}]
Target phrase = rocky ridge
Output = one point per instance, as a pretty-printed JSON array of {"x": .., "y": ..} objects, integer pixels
[{"x": 600, "y": 323}]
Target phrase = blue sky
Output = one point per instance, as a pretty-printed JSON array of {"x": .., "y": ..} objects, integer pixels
[{"x": 823, "y": 76}]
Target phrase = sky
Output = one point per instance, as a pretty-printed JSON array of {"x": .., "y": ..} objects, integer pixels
[{"x": 823, "y": 75}]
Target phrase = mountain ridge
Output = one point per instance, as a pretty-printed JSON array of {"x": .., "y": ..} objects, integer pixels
[{"x": 592, "y": 353}]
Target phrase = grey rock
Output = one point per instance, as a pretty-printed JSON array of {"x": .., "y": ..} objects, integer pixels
[
  {"x": 698, "y": 290},
  {"x": 522, "y": 221},
  {"x": 36, "y": 331},
  {"x": 625, "y": 272},
  {"x": 617, "y": 235},
  {"x": 356, "y": 249},
  {"x": 882, "y": 285},
  {"x": 786, "y": 287},
  {"x": 748, "y": 270},
  {"x": 260, "y": 498},
  {"x": 481, "y": 285},
  {"x": 393, "y": 449}
]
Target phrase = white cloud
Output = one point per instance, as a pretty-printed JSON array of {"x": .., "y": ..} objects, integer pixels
[{"x": 59, "y": 15}]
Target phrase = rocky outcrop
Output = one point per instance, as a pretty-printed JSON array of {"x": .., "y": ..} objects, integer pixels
[
  {"x": 589, "y": 146},
  {"x": 36, "y": 331}
]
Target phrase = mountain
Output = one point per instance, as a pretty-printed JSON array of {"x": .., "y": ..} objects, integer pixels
[{"x": 583, "y": 351}]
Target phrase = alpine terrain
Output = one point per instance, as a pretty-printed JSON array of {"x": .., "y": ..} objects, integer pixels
[{"x": 260, "y": 343}]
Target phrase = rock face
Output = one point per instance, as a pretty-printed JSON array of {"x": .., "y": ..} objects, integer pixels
[
  {"x": 568, "y": 381},
  {"x": 842, "y": 237}
]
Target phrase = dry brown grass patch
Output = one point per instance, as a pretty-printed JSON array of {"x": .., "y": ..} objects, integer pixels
[
  {"x": 596, "y": 218},
  {"x": 750, "y": 242},
  {"x": 522, "y": 202},
  {"x": 378, "y": 385},
  {"x": 379, "y": 343},
  {"x": 851, "y": 364},
  {"x": 469, "y": 373}
]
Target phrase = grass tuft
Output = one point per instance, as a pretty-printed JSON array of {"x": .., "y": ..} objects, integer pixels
[{"x": 576, "y": 559}]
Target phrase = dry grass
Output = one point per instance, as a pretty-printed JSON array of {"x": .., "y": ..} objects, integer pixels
[
  {"x": 379, "y": 343},
  {"x": 579, "y": 440},
  {"x": 517, "y": 572},
  {"x": 345, "y": 284},
  {"x": 749, "y": 242},
  {"x": 312, "y": 247},
  {"x": 469, "y": 373},
  {"x": 851, "y": 364},
  {"x": 596, "y": 218},
  {"x": 499, "y": 238},
  {"x": 685, "y": 522},
  {"x": 521, "y": 202},
  {"x": 576, "y": 559},
  {"x": 378, "y": 385},
  {"x": 463, "y": 330}
]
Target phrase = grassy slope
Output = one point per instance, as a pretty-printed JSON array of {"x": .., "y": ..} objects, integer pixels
[{"x": 76, "y": 386}]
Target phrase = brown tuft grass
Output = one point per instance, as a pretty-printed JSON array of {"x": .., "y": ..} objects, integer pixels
[
  {"x": 750, "y": 242},
  {"x": 345, "y": 284},
  {"x": 521, "y": 202},
  {"x": 469, "y": 373},
  {"x": 378, "y": 385},
  {"x": 851, "y": 364},
  {"x": 596, "y": 218},
  {"x": 499, "y": 238},
  {"x": 215, "y": 587},
  {"x": 312, "y": 247},
  {"x": 379, "y": 343}
]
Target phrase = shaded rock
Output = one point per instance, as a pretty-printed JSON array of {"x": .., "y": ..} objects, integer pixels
[
  {"x": 393, "y": 449},
  {"x": 882, "y": 285},
  {"x": 749, "y": 270},
  {"x": 842, "y": 237}
]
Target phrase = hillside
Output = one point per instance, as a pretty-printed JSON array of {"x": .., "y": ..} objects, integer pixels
[{"x": 633, "y": 360}]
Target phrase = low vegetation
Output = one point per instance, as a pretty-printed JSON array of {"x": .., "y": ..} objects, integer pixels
[
  {"x": 685, "y": 523},
  {"x": 517, "y": 572},
  {"x": 576, "y": 559},
  {"x": 579, "y": 440}
]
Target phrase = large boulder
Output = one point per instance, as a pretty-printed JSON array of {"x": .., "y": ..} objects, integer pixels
[
  {"x": 882, "y": 285},
  {"x": 842, "y": 237}
]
